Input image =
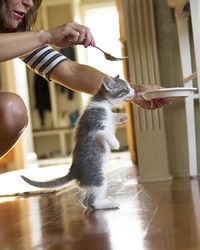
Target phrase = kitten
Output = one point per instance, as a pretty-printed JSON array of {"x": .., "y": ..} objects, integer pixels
[{"x": 94, "y": 137}]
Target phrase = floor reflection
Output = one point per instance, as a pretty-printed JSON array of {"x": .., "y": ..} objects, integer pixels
[{"x": 152, "y": 216}]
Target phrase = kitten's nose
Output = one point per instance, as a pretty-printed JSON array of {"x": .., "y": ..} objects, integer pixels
[
  {"x": 130, "y": 95},
  {"x": 132, "y": 92}
]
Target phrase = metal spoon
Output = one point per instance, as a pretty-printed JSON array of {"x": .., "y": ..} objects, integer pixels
[{"x": 110, "y": 57}]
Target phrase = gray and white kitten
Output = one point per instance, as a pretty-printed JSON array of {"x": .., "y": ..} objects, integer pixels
[{"x": 94, "y": 138}]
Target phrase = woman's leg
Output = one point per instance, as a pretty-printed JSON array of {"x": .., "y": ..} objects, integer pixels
[{"x": 13, "y": 120}]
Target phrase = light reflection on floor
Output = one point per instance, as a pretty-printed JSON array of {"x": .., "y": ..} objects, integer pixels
[{"x": 51, "y": 170}]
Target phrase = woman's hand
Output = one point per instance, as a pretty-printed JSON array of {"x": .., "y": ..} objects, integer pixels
[
  {"x": 69, "y": 35},
  {"x": 141, "y": 102}
]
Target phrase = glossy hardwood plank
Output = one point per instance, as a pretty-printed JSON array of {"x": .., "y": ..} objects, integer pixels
[{"x": 152, "y": 216}]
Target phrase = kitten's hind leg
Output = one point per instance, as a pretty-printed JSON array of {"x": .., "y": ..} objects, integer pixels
[{"x": 95, "y": 199}]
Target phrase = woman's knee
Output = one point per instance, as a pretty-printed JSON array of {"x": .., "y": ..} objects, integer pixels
[{"x": 13, "y": 113}]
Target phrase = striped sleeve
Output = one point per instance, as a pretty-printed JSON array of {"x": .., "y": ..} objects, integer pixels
[{"x": 43, "y": 60}]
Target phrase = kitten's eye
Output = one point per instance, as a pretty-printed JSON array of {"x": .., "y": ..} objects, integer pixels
[{"x": 127, "y": 89}]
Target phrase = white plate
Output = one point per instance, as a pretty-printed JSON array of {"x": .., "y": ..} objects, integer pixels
[{"x": 170, "y": 93}]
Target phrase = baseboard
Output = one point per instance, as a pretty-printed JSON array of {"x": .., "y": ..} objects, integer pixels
[{"x": 155, "y": 179}]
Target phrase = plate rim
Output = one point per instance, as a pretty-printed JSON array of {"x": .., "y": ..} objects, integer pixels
[
  {"x": 170, "y": 89},
  {"x": 160, "y": 93}
]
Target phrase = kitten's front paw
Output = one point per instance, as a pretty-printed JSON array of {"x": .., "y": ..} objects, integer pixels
[{"x": 121, "y": 118}]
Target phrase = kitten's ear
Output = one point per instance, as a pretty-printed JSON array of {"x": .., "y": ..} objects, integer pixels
[
  {"x": 108, "y": 82},
  {"x": 117, "y": 77}
]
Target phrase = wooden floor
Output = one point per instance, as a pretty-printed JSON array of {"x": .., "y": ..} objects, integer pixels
[{"x": 154, "y": 216}]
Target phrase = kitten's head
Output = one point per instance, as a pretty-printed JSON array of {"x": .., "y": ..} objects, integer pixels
[{"x": 116, "y": 90}]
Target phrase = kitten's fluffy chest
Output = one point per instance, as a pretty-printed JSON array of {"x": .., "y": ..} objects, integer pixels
[{"x": 109, "y": 122}]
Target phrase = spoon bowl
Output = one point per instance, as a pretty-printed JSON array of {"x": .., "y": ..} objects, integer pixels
[{"x": 110, "y": 57}]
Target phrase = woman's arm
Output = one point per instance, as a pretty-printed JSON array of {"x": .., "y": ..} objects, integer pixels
[
  {"x": 54, "y": 66},
  {"x": 17, "y": 44},
  {"x": 13, "y": 45},
  {"x": 87, "y": 79},
  {"x": 77, "y": 77}
]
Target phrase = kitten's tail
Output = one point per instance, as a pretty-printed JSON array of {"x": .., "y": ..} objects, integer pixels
[{"x": 49, "y": 184}]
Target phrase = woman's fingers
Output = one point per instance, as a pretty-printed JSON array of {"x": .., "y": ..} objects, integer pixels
[
  {"x": 85, "y": 36},
  {"x": 158, "y": 103},
  {"x": 71, "y": 34},
  {"x": 89, "y": 39}
]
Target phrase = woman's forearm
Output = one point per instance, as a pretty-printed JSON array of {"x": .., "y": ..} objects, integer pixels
[
  {"x": 13, "y": 45},
  {"x": 78, "y": 77}
]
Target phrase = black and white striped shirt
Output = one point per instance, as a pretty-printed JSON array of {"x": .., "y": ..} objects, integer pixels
[{"x": 43, "y": 60}]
